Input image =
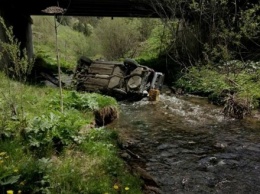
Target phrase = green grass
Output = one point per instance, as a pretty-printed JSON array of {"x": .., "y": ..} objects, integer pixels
[
  {"x": 71, "y": 44},
  {"x": 32, "y": 129},
  {"x": 212, "y": 82}
]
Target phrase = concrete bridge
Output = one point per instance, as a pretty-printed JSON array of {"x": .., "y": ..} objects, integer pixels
[{"x": 17, "y": 13}]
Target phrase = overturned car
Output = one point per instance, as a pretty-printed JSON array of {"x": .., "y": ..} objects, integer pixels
[{"x": 125, "y": 80}]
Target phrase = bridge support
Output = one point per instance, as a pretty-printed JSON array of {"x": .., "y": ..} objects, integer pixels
[{"x": 21, "y": 24}]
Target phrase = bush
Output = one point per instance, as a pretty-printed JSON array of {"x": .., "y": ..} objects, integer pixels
[
  {"x": 221, "y": 87},
  {"x": 46, "y": 151},
  {"x": 117, "y": 37}
]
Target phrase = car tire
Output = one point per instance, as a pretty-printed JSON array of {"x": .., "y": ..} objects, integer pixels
[
  {"x": 130, "y": 63},
  {"x": 85, "y": 60}
]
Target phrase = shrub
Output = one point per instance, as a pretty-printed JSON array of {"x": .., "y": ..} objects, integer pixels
[{"x": 19, "y": 64}]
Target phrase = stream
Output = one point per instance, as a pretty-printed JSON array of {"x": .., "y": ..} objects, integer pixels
[{"x": 188, "y": 146}]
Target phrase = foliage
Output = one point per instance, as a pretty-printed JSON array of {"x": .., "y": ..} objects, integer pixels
[
  {"x": 155, "y": 43},
  {"x": 97, "y": 38},
  {"x": 117, "y": 37},
  {"x": 86, "y": 29},
  {"x": 50, "y": 152},
  {"x": 72, "y": 44},
  {"x": 98, "y": 174},
  {"x": 53, "y": 152},
  {"x": 16, "y": 65},
  {"x": 21, "y": 172},
  {"x": 85, "y": 101},
  {"x": 54, "y": 131},
  {"x": 202, "y": 81},
  {"x": 234, "y": 84},
  {"x": 20, "y": 64},
  {"x": 210, "y": 32}
]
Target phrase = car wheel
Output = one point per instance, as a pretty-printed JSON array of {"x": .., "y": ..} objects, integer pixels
[
  {"x": 85, "y": 60},
  {"x": 130, "y": 63},
  {"x": 134, "y": 82}
]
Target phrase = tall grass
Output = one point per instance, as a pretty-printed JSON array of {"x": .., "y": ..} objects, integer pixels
[
  {"x": 72, "y": 44},
  {"x": 30, "y": 156}
]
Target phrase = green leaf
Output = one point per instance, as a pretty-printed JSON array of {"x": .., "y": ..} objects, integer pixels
[{"x": 10, "y": 180}]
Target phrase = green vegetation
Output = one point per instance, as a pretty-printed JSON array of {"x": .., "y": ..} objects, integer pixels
[
  {"x": 212, "y": 81},
  {"x": 96, "y": 38},
  {"x": 70, "y": 48},
  {"x": 213, "y": 49},
  {"x": 44, "y": 151},
  {"x": 209, "y": 48},
  {"x": 236, "y": 83},
  {"x": 20, "y": 65}
]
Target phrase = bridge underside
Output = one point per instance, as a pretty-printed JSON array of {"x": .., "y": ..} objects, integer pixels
[
  {"x": 17, "y": 13},
  {"x": 101, "y": 8}
]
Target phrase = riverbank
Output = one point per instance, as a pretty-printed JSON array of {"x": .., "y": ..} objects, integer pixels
[
  {"x": 45, "y": 151},
  {"x": 234, "y": 86}
]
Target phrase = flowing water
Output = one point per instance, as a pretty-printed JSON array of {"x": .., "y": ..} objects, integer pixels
[{"x": 189, "y": 147}]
